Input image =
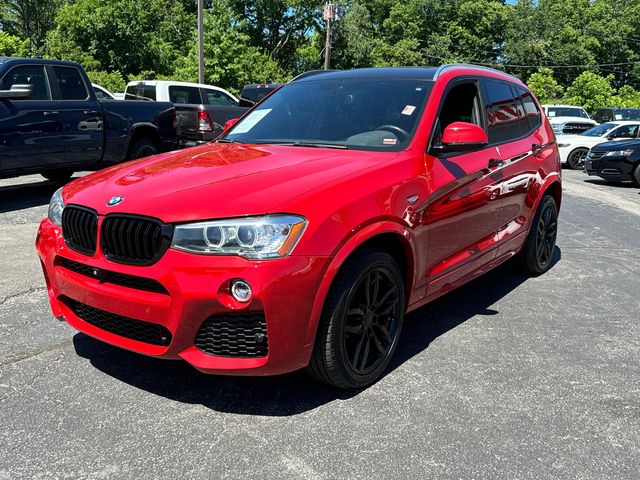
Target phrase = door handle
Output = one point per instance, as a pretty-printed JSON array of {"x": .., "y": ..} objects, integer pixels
[
  {"x": 495, "y": 163},
  {"x": 51, "y": 113},
  {"x": 536, "y": 149},
  {"x": 90, "y": 112}
]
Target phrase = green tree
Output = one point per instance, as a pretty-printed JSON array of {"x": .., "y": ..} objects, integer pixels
[
  {"x": 627, "y": 97},
  {"x": 545, "y": 86},
  {"x": 29, "y": 19},
  {"x": 112, "y": 81},
  {"x": 12, "y": 46},
  {"x": 591, "y": 91}
]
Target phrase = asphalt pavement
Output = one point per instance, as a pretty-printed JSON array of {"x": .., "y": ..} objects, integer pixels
[{"x": 506, "y": 378}]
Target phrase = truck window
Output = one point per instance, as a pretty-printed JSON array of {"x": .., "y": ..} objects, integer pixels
[
  {"x": 214, "y": 97},
  {"x": 179, "y": 94},
  {"x": 71, "y": 84},
  {"x": 28, "y": 75}
]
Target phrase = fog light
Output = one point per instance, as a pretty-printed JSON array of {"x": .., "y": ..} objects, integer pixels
[{"x": 241, "y": 291}]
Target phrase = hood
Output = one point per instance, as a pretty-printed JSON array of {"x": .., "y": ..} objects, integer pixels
[
  {"x": 554, "y": 120},
  {"x": 218, "y": 180},
  {"x": 616, "y": 145}
]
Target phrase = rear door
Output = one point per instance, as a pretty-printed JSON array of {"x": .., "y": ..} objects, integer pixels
[
  {"x": 81, "y": 115},
  {"x": 31, "y": 132}
]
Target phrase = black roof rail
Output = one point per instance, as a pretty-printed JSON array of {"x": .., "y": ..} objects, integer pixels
[{"x": 450, "y": 66}]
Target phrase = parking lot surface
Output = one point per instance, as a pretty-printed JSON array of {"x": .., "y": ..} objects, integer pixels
[{"x": 508, "y": 377}]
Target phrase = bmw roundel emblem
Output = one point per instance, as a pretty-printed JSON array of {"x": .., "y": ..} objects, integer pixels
[{"x": 115, "y": 201}]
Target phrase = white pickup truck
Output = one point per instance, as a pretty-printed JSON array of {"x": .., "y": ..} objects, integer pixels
[{"x": 201, "y": 110}]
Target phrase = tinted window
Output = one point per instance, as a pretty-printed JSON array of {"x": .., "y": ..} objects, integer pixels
[
  {"x": 460, "y": 105},
  {"x": 140, "y": 91},
  {"x": 213, "y": 97},
  {"x": 604, "y": 115},
  {"x": 531, "y": 111},
  {"x": 179, "y": 94},
  {"x": 359, "y": 113},
  {"x": 102, "y": 95},
  {"x": 599, "y": 130},
  {"x": 625, "y": 131},
  {"x": 566, "y": 112},
  {"x": 71, "y": 84},
  {"x": 505, "y": 116},
  {"x": 28, "y": 75}
]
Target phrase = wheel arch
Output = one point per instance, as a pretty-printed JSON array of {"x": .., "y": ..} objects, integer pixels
[
  {"x": 388, "y": 236},
  {"x": 143, "y": 130}
]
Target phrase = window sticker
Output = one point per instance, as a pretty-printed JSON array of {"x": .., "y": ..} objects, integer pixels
[
  {"x": 552, "y": 113},
  {"x": 618, "y": 116},
  {"x": 251, "y": 120},
  {"x": 389, "y": 141},
  {"x": 408, "y": 110}
]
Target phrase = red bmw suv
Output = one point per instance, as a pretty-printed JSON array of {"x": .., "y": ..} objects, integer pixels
[{"x": 303, "y": 235}]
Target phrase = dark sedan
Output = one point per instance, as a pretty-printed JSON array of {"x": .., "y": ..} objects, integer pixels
[{"x": 615, "y": 161}]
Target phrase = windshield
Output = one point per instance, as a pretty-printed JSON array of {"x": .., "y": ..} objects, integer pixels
[
  {"x": 600, "y": 130},
  {"x": 357, "y": 113},
  {"x": 567, "y": 112}
]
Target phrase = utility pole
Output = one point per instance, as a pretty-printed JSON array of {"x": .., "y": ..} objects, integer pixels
[
  {"x": 328, "y": 16},
  {"x": 200, "y": 45},
  {"x": 331, "y": 14}
]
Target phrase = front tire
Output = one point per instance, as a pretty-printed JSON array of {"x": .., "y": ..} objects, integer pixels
[
  {"x": 635, "y": 176},
  {"x": 576, "y": 158},
  {"x": 537, "y": 253},
  {"x": 361, "y": 322}
]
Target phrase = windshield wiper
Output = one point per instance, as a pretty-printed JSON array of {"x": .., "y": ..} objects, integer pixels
[
  {"x": 309, "y": 144},
  {"x": 227, "y": 140}
]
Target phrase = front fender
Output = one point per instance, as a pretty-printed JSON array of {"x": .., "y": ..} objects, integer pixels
[{"x": 355, "y": 241}]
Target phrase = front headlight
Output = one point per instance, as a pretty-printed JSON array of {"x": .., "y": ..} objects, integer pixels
[
  {"x": 56, "y": 205},
  {"x": 619, "y": 153},
  {"x": 271, "y": 236}
]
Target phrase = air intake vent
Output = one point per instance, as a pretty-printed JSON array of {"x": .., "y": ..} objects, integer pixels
[
  {"x": 234, "y": 335},
  {"x": 80, "y": 229},
  {"x": 131, "y": 328},
  {"x": 134, "y": 240}
]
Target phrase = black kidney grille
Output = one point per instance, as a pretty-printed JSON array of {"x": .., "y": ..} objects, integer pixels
[
  {"x": 133, "y": 240},
  {"x": 131, "y": 328},
  {"x": 234, "y": 335},
  {"x": 80, "y": 229},
  {"x": 116, "y": 278}
]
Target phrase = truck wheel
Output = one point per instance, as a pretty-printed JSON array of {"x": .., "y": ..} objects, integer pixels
[
  {"x": 537, "y": 253},
  {"x": 361, "y": 322},
  {"x": 58, "y": 177},
  {"x": 142, "y": 147}
]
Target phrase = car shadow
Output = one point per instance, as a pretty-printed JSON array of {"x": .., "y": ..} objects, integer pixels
[
  {"x": 26, "y": 195},
  {"x": 595, "y": 181},
  {"x": 296, "y": 392}
]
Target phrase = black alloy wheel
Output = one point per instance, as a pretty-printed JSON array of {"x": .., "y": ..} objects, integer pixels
[
  {"x": 537, "y": 253},
  {"x": 576, "y": 158},
  {"x": 361, "y": 322}
]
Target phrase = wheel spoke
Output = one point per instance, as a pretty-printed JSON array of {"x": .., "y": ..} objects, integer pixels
[
  {"x": 356, "y": 354},
  {"x": 389, "y": 308},
  {"x": 365, "y": 354},
  {"x": 383, "y": 330},
  {"x": 384, "y": 298},
  {"x": 353, "y": 329},
  {"x": 377, "y": 343},
  {"x": 355, "y": 311}
]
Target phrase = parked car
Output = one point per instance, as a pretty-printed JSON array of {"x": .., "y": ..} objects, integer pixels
[
  {"x": 52, "y": 123},
  {"x": 616, "y": 114},
  {"x": 615, "y": 161},
  {"x": 253, "y": 93},
  {"x": 102, "y": 93},
  {"x": 568, "y": 119},
  {"x": 574, "y": 148},
  {"x": 202, "y": 110},
  {"x": 303, "y": 234}
]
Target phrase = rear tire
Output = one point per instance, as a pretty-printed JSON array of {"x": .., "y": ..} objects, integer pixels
[
  {"x": 58, "y": 177},
  {"x": 576, "y": 158},
  {"x": 361, "y": 322},
  {"x": 537, "y": 253},
  {"x": 142, "y": 147}
]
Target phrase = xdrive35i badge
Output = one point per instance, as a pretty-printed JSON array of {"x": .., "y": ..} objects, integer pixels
[{"x": 115, "y": 201}]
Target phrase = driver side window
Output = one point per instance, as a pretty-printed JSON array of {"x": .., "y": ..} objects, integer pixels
[
  {"x": 626, "y": 131},
  {"x": 462, "y": 104}
]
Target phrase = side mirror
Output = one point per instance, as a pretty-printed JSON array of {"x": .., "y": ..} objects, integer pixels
[
  {"x": 18, "y": 91},
  {"x": 462, "y": 137},
  {"x": 230, "y": 123}
]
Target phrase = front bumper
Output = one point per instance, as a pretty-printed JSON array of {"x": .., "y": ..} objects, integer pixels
[
  {"x": 615, "y": 169},
  {"x": 196, "y": 288}
]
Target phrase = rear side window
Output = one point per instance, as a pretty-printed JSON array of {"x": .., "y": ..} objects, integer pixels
[
  {"x": 532, "y": 113},
  {"x": 140, "y": 91},
  {"x": 505, "y": 117},
  {"x": 28, "y": 75},
  {"x": 71, "y": 84},
  {"x": 213, "y": 97},
  {"x": 178, "y": 94}
]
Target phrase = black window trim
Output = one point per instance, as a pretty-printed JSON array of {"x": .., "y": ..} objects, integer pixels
[
  {"x": 46, "y": 76},
  {"x": 450, "y": 86}
]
